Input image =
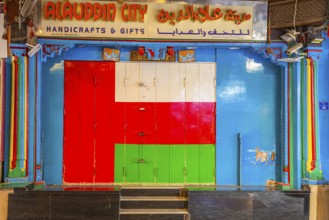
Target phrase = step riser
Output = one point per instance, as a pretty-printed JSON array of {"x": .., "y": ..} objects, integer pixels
[
  {"x": 153, "y": 217},
  {"x": 153, "y": 204},
  {"x": 152, "y": 192}
]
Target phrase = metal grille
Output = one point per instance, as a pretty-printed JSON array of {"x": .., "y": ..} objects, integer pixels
[{"x": 309, "y": 12}]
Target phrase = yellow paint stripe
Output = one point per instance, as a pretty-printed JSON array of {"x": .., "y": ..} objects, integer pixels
[
  {"x": 12, "y": 112},
  {"x": 309, "y": 118}
]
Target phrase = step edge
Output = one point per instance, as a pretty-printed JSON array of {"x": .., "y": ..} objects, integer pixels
[
  {"x": 152, "y": 187},
  {"x": 153, "y": 211},
  {"x": 153, "y": 198}
]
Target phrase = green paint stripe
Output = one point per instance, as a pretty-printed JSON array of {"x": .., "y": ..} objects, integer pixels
[
  {"x": 169, "y": 163},
  {"x": 316, "y": 113},
  {"x": 19, "y": 112}
]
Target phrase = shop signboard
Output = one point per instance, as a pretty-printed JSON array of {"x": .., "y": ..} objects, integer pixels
[{"x": 170, "y": 21}]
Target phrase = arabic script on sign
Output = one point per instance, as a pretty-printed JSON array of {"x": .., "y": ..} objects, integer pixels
[{"x": 200, "y": 14}]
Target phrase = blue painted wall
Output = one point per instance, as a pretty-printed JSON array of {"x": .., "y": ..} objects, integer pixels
[
  {"x": 248, "y": 101},
  {"x": 323, "y": 93}
]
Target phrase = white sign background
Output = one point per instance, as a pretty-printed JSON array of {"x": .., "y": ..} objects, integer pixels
[{"x": 151, "y": 28}]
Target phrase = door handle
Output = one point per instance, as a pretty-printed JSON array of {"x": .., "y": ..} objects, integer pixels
[{"x": 141, "y": 161}]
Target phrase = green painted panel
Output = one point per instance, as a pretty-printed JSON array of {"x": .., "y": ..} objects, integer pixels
[
  {"x": 162, "y": 164},
  {"x": 207, "y": 163},
  {"x": 132, "y": 164},
  {"x": 177, "y": 164},
  {"x": 192, "y": 164},
  {"x": 147, "y": 164},
  {"x": 119, "y": 163}
]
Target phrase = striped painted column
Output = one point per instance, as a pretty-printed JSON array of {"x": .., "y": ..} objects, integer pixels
[
  {"x": 313, "y": 169},
  {"x": 18, "y": 118}
]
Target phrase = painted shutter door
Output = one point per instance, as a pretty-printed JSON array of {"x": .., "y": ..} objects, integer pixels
[
  {"x": 104, "y": 105},
  {"x": 79, "y": 122}
]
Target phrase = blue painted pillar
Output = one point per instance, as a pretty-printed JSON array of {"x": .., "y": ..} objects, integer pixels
[{"x": 38, "y": 159}]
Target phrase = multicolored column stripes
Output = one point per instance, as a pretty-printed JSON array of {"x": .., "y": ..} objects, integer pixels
[
  {"x": 312, "y": 109},
  {"x": 18, "y": 118}
]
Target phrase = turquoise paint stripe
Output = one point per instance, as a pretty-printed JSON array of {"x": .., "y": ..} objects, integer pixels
[
  {"x": 31, "y": 114},
  {"x": 298, "y": 158}
]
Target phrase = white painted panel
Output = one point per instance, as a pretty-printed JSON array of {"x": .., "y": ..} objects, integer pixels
[
  {"x": 192, "y": 82},
  {"x": 165, "y": 82},
  {"x": 120, "y": 89},
  {"x": 146, "y": 84},
  {"x": 162, "y": 88},
  {"x": 177, "y": 82},
  {"x": 132, "y": 82},
  {"x": 208, "y": 82}
]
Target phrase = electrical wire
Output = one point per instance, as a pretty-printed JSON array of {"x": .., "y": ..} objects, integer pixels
[{"x": 295, "y": 13}]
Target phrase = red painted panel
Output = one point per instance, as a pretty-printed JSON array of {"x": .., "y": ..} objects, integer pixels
[
  {"x": 104, "y": 100},
  {"x": 208, "y": 123},
  {"x": 86, "y": 125},
  {"x": 177, "y": 122},
  {"x": 193, "y": 128},
  {"x": 163, "y": 125},
  {"x": 78, "y": 123},
  {"x": 117, "y": 128},
  {"x": 71, "y": 136},
  {"x": 148, "y": 122},
  {"x": 170, "y": 123},
  {"x": 133, "y": 123}
]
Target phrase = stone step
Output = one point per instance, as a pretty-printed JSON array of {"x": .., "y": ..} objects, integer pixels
[
  {"x": 153, "y": 211},
  {"x": 153, "y": 198},
  {"x": 154, "y": 214},
  {"x": 152, "y": 191}
]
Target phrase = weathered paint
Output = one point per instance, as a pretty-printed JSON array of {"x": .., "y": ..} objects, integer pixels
[
  {"x": 323, "y": 95},
  {"x": 196, "y": 126},
  {"x": 52, "y": 119},
  {"x": 148, "y": 163},
  {"x": 248, "y": 103},
  {"x": 88, "y": 145},
  {"x": 18, "y": 118}
]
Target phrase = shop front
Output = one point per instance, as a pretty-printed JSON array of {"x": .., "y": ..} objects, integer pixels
[{"x": 150, "y": 93}]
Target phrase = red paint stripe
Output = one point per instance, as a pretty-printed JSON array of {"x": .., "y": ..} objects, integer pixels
[
  {"x": 167, "y": 123},
  {"x": 13, "y": 164},
  {"x": 289, "y": 122},
  {"x": 313, "y": 116}
]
